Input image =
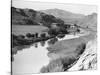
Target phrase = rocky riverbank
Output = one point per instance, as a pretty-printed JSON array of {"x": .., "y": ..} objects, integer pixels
[{"x": 88, "y": 60}]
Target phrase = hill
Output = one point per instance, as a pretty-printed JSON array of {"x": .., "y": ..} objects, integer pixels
[
  {"x": 49, "y": 16},
  {"x": 32, "y": 17},
  {"x": 67, "y": 16},
  {"x": 72, "y": 18},
  {"x": 89, "y": 21}
]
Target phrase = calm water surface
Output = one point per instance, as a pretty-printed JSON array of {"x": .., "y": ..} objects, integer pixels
[{"x": 31, "y": 60}]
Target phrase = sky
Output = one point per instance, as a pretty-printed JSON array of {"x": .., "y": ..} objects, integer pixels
[{"x": 74, "y": 8}]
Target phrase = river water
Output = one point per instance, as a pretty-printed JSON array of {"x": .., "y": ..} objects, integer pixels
[{"x": 31, "y": 60}]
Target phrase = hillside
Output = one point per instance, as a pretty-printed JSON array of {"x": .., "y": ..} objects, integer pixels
[
  {"x": 67, "y": 16},
  {"x": 32, "y": 17},
  {"x": 72, "y": 18},
  {"x": 89, "y": 21},
  {"x": 49, "y": 16}
]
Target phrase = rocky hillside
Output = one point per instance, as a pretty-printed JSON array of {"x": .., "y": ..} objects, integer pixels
[
  {"x": 88, "y": 60},
  {"x": 32, "y": 17}
]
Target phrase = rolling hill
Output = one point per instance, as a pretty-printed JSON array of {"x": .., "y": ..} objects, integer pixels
[
  {"x": 32, "y": 17},
  {"x": 72, "y": 18},
  {"x": 67, "y": 16},
  {"x": 49, "y": 16},
  {"x": 89, "y": 21}
]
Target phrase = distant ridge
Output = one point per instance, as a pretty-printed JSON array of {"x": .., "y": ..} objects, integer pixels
[
  {"x": 89, "y": 21},
  {"x": 67, "y": 16},
  {"x": 73, "y": 18},
  {"x": 49, "y": 16}
]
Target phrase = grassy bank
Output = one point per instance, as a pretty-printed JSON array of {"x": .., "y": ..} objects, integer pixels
[{"x": 65, "y": 53}]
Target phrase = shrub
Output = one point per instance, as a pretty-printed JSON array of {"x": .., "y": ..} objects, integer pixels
[
  {"x": 43, "y": 35},
  {"x": 20, "y": 37},
  {"x": 52, "y": 41},
  {"x": 61, "y": 35},
  {"x": 28, "y": 35},
  {"x": 42, "y": 43},
  {"x": 80, "y": 49}
]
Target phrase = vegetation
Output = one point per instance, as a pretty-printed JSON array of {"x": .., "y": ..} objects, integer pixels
[
  {"x": 43, "y": 35},
  {"x": 42, "y": 43},
  {"x": 58, "y": 65},
  {"x": 52, "y": 41},
  {"x": 80, "y": 49},
  {"x": 61, "y": 35},
  {"x": 64, "y": 63},
  {"x": 29, "y": 17}
]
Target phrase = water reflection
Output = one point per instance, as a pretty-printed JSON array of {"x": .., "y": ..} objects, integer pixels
[
  {"x": 42, "y": 43},
  {"x": 29, "y": 60},
  {"x": 49, "y": 42},
  {"x": 36, "y": 45}
]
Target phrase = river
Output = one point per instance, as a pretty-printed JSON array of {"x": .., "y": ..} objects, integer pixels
[{"x": 31, "y": 60}]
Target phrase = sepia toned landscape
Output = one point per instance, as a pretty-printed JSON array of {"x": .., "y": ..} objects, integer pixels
[{"x": 52, "y": 40}]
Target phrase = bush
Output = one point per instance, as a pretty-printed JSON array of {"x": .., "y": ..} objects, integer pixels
[
  {"x": 53, "y": 66},
  {"x": 53, "y": 32},
  {"x": 42, "y": 43},
  {"x": 61, "y": 35},
  {"x": 43, "y": 35},
  {"x": 78, "y": 30},
  {"x": 80, "y": 49},
  {"x": 20, "y": 37},
  {"x": 36, "y": 35},
  {"x": 52, "y": 41},
  {"x": 28, "y": 35}
]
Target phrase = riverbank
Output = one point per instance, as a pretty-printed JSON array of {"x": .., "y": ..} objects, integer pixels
[
  {"x": 66, "y": 53},
  {"x": 61, "y": 54},
  {"x": 27, "y": 57},
  {"x": 88, "y": 60}
]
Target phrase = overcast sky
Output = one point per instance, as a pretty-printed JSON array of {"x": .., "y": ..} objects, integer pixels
[{"x": 74, "y": 8}]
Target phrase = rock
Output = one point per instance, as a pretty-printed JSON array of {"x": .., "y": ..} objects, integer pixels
[{"x": 88, "y": 60}]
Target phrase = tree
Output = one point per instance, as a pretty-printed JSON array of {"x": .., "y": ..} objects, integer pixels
[
  {"x": 36, "y": 35},
  {"x": 43, "y": 35},
  {"x": 78, "y": 30},
  {"x": 52, "y": 32},
  {"x": 13, "y": 36},
  {"x": 32, "y": 35},
  {"x": 61, "y": 35},
  {"x": 28, "y": 35},
  {"x": 21, "y": 37},
  {"x": 52, "y": 41}
]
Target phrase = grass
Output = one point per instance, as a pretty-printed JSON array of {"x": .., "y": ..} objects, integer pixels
[
  {"x": 23, "y": 30},
  {"x": 67, "y": 51},
  {"x": 70, "y": 45},
  {"x": 58, "y": 65}
]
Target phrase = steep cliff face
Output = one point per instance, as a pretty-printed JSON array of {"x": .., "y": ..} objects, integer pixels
[{"x": 88, "y": 60}]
